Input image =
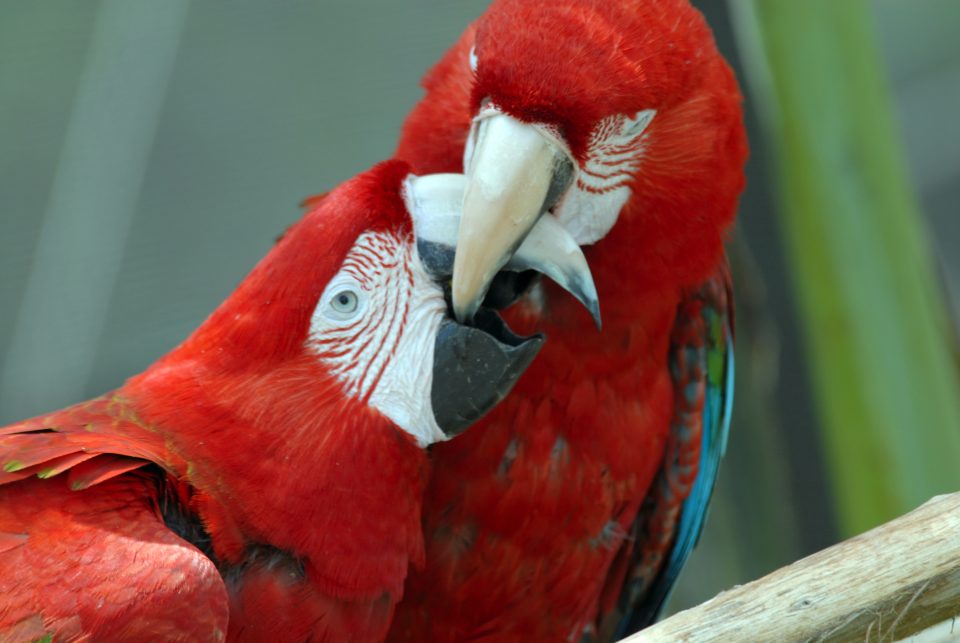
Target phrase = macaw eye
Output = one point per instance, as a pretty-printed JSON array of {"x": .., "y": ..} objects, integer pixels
[
  {"x": 344, "y": 304},
  {"x": 635, "y": 125},
  {"x": 473, "y": 59}
]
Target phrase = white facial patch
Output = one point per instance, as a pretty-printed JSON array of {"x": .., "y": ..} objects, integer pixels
[
  {"x": 592, "y": 204},
  {"x": 375, "y": 325}
]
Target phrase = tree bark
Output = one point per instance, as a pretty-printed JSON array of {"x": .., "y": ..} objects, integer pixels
[{"x": 888, "y": 583}]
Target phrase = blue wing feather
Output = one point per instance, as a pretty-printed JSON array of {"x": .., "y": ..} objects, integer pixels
[
  {"x": 644, "y": 596},
  {"x": 716, "y": 421}
]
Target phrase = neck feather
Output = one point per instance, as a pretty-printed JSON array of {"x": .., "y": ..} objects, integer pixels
[{"x": 284, "y": 459}]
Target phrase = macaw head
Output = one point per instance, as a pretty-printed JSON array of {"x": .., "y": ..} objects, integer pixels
[
  {"x": 583, "y": 106},
  {"x": 347, "y": 315},
  {"x": 298, "y": 411}
]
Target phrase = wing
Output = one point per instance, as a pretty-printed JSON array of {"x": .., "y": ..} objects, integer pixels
[
  {"x": 92, "y": 442},
  {"x": 672, "y": 517},
  {"x": 100, "y": 564},
  {"x": 88, "y": 554}
]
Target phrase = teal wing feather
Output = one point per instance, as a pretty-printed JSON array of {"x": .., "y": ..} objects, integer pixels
[{"x": 669, "y": 524}]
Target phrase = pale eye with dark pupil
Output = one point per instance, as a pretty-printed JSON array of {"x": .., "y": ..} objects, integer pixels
[{"x": 344, "y": 302}]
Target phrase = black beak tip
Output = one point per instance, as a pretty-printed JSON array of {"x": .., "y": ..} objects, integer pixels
[{"x": 475, "y": 368}]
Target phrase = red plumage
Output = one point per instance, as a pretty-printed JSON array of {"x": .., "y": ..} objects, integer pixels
[
  {"x": 232, "y": 476},
  {"x": 525, "y": 516}
]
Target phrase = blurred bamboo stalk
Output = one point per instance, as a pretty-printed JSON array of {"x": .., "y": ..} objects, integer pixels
[
  {"x": 91, "y": 204},
  {"x": 876, "y": 328}
]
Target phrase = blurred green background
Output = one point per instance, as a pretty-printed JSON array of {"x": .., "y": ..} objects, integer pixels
[{"x": 152, "y": 151}]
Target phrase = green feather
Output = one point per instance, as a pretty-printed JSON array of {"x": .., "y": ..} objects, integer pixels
[{"x": 13, "y": 465}]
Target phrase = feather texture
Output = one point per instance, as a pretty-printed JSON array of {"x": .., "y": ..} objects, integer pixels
[
  {"x": 530, "y": 520},
  {"x": 237, "y": 488},
  {"x": 674, "y": 512}
]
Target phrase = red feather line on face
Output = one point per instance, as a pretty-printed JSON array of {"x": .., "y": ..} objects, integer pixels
[
  {"x": 379, "y": 265},
  {"x": 610, "y": 163}
]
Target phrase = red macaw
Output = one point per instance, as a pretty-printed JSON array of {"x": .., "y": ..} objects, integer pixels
[
  {"x": 263, "y": 480},
  {"x": 572, "y": 511}
]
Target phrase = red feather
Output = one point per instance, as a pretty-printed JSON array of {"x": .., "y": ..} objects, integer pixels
[
  {"x": 233, "y": 475},
  {"x": 525, "y": 514}
]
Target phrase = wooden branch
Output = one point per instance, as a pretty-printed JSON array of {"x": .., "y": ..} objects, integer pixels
[{"x": 898, "y": 579}]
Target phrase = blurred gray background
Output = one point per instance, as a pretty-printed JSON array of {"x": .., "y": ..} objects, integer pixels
[{"x": 152, "y": 151}]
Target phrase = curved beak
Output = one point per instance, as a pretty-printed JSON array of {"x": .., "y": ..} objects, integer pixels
[
  {"x": 515, "y": 172},
  {"x": 474, "y": 368},
  {"x": 475, "y": 365},
  {"x": 435, "y": 201}
]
